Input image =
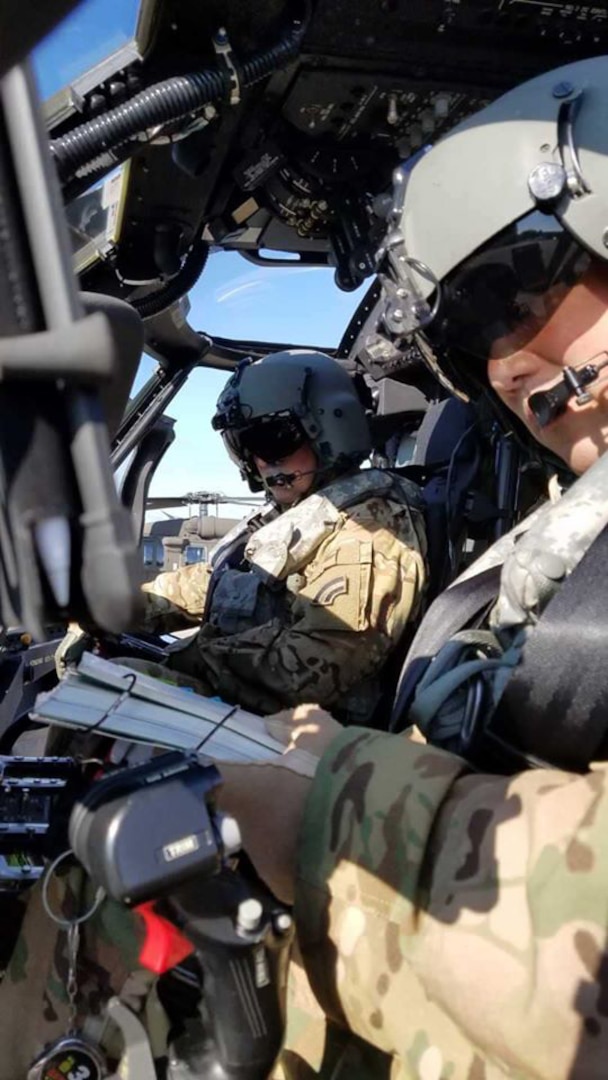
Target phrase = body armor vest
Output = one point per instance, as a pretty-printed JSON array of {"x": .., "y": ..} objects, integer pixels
[{"x": 258, "y": 567}]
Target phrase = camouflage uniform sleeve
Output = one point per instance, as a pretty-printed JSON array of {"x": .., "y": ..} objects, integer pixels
[
  {"x": 175, "y": 599},
  {"x": 360, "y": 589},
  {"x": 457, "y": 922}
]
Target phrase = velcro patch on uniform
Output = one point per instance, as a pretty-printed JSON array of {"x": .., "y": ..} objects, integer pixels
[{"x": 331, "y": 590}]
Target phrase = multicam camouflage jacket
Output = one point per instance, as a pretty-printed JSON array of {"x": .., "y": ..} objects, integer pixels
[
  {"x": 315, "y": 603},
  {"x": 453, "y": 926}
]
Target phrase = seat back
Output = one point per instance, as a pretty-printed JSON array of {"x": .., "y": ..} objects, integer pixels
[{"x": 445, "y": 464}]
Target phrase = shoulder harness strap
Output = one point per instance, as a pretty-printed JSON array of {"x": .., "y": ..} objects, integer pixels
[
  {"x": 555, "y": 704},
  {"x": 462, "y": 605}
]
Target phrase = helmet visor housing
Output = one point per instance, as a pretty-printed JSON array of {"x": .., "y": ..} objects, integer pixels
[{"x": 500, "y": 298}]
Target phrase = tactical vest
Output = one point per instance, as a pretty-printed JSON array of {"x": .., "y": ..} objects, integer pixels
[
  {"x": 258, "y": 567},
  {"x": 508, "y": 667}
]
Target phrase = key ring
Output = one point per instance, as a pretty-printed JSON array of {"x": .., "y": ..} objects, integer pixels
[{"x": 67, "y": 924}]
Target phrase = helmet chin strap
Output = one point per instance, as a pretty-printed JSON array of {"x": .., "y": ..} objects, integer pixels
[{"x": 546, "y": 405}]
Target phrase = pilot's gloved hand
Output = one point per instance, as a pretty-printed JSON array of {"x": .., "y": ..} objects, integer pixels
[
  {"x": 71, "y": 648},
  {"x": 305, "y": 727}
]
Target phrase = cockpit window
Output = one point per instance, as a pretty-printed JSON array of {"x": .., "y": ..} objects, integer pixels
[
  {"x": 94, "y": 219},
  {"x": 95, "y": 32},
  {"x": 295, "y": 305}
]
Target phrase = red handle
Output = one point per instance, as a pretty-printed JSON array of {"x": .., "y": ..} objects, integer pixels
[{"x": 164, "y": 945}]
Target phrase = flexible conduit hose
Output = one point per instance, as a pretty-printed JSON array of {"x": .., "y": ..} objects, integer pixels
[
  {"x": 164, "y": 102},
  {"x": 96, "y": 169},
  {"x": 179, "y": 285}
]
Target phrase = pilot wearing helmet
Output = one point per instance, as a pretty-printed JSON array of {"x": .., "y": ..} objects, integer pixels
[
  {"x": 452, "y": 908},
  {"x": 305, "y": 601}
]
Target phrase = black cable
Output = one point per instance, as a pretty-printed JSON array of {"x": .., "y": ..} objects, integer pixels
[
  {"x": 99, "y": 169},
  {"x": 178, "y": 286},
  {"x": 163, "y": 103}
]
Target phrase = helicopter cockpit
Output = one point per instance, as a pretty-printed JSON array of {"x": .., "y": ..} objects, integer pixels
[{"x": 282, "y": 132}]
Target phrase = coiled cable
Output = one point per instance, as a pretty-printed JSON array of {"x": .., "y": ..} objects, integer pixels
[
  {"x": 178, "y": 286},
  {"x": 162, "y": 103}
]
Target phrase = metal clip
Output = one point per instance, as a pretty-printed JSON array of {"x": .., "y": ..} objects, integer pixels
[
  {"x": 223, "y": 49},
  {"x": 568, "y": 111},
  {"x": 406, "y": 309}
]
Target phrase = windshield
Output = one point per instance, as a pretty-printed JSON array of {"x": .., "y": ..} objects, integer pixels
[
  {"x": 299, "y": 305},
  {"x": 95, "y": 30}
]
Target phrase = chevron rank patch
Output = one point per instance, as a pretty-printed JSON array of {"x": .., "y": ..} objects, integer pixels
[{"x": 331, "y": 590}]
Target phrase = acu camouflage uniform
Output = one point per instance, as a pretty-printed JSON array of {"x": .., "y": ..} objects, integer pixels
[{"x": 321, "y": 595}]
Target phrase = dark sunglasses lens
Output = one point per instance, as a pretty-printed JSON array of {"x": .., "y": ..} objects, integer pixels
[{"x": 272, "y": 440}]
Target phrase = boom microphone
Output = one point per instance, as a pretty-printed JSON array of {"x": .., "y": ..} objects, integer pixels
[
  {"x": 546, "y": 405},
  {"x": 283, "y": 479}
]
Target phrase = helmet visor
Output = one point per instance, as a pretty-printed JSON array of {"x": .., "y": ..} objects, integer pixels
[
  {"x": 503, "y": 295},
  {"x": 270, "y": 438}
]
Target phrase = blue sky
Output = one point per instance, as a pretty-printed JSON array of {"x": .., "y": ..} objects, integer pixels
[
  {"x": 232, "y": 298},
  {"x": 94, "y": 30}
]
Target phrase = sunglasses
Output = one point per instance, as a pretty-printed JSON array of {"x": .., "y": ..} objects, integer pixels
[{"x": 270, "y": 439}]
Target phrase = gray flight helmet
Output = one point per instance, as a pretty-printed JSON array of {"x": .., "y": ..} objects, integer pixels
[
  {"x": 541, "y": 146},
  {"x": 309, "y": 387}
]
